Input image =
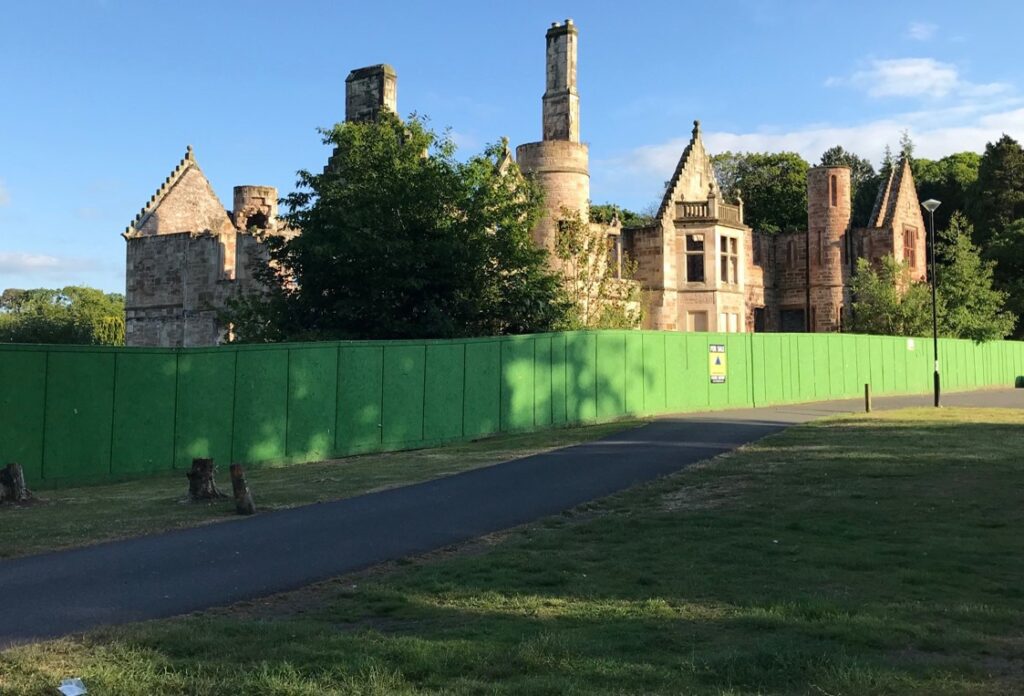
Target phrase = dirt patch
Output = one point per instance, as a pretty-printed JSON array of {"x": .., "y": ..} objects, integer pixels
[{"x": 720, "y": 492}]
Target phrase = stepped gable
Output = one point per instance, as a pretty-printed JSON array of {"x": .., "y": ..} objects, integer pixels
[
  {"x": 694, "y": 177},
  {"x": 185, "y": 202}
]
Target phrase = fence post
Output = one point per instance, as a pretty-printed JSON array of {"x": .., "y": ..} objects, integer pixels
[{"x": 867, "y": 398}]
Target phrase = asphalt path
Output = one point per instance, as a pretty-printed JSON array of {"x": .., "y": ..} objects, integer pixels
[{"x": 176, "y": 572}]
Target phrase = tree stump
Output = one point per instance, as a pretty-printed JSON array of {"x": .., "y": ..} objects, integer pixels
[
  {"x": 12, "y": 484},
  {"x": 201, "y": 485},
  {"x": 244, "y": 504}
]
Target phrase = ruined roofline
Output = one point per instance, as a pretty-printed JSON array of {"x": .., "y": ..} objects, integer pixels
[
  {"x": 559, "y": 29},
  {"x": 370, "y": 70},
  {"x": 884, "y": 210},
  {"x": 189, "y": 160}
]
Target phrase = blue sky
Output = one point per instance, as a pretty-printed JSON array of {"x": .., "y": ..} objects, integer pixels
[{"x": 100, "y": 97}]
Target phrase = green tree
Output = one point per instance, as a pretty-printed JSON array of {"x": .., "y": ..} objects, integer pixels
[
  {"x": 950, "y": 180},
  {"x": 773, "y": 186},
  {"x": 997, "y": 197},
  {"x": 400, "y": 240},
  {"x": 886, "y": 301},
  {"x": 1006, "y": 249},
  {"x": 863, "y": 181},
  {"x": 599, "y": 285},
  {"x": 971, "y": 307},
  {"x": 74, "y": 314}
]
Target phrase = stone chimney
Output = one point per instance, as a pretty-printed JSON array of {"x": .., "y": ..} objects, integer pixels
[
  {"x": 369, "y": 89},
  {"x": 561, "y": 100}
]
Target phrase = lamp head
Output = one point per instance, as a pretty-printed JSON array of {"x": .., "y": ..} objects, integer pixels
[{"x": 931, "y": 204}]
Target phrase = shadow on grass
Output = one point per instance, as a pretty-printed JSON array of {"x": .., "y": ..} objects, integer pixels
[{"x": 862, "y": 555}]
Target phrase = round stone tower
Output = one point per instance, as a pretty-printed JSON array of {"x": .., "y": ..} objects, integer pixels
[
  {"x": 255, "y": 206},
  {"x": 828, "y": 224},
  {"x": 560, "y": 163}
]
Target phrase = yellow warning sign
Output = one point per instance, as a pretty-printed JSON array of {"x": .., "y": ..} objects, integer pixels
[{"x": 716, "y": 363}]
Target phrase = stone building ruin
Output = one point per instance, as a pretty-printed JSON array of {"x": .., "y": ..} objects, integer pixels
[{"x": 700, "y": 266}]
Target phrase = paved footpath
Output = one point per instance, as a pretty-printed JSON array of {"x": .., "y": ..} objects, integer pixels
[{"x": 186, "y": 570}]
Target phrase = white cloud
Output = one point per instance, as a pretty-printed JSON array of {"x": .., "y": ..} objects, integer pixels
[
  {"x": 5, "y": 196},
  {"x": 921, "y": 31},
  {"x": 21, "y": 263},
  {"x": 915, "y": 77}
]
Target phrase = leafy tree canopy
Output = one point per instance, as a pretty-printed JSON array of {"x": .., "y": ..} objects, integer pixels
[
  {"x": 971, "y": 307},
  {"x": 1006, "y": 249},
  {"x": 773, "y": 186},
  {"x": 400, "y": 240},
  {"x": 75, "y": 314},
  {"x": 886, "y": 301},
  {"x": 948, "y": 180},
  {"x": 997, "y": 197}
]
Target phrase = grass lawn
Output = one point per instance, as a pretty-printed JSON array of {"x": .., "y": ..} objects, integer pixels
[
  {"x": 76, "y": 516},
  {"x": 860, "y": 555}
]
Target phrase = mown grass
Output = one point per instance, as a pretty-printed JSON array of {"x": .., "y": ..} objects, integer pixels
[
  {"x": 88, "y": 514},
  {"x": 861, "y": 555}
]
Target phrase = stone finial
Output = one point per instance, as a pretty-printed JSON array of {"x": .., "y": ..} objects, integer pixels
[
  {"x": 711, "y": 189},
  {"x": 696, "y": 128},
  {"x": 189, "y": 155}
]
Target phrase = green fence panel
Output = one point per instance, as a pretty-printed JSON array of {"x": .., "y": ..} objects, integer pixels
[
  {"x": 654, "y": 372},
  {"x": 685, "y": 389},
  {"x": 360, "y": 397},
  {"x": 443, "y": 400},
  {"x": 636, "y": 375},
  {"x": 790, "y": 367},
  {"x": 145, "y": 388},
  {"x": 863, "y": 348},
  {"x": 482, "y": 406},
  {"x": 822, "y": 366},
  {"x": 22, "y": 408},
  {"x": 79, "y": 415},
  {"x": 542, "y": 416},
  {"x": 611, "y": 374},
  {"x": 205, "y": 406},
  {"x": 836, "y": 367},
  {"x": 758, "y": 381},
  {"x": 737, "y": 346},
  {"x": 581, "y": 377},
  {"x": 312, "y": 401},
  {"x": 804, "y": 367},
  {"x": 558, "y": 379},
  {"x": 404, "y": 374},
  {"x": 261, "y": 406},
  {"x": 517, "y": 383}
]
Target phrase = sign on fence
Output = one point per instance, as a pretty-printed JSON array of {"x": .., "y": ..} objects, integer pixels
[{"x": 716, "y": 363}]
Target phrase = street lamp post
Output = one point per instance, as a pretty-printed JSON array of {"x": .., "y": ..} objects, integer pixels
[{"x": 930, "y": 205}]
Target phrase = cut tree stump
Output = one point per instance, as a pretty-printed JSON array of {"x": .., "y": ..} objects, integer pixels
[
  {"x": 201, "y": 485},
  {"x": 244, "y": 504},
  {"x": 12, "y": 484}
]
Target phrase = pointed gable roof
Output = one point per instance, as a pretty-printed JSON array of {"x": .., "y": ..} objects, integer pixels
[
  {"x": 694, "y": 177},
  {"x": 891, "y": 193},
  {"x": 184, "y": 202}
]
